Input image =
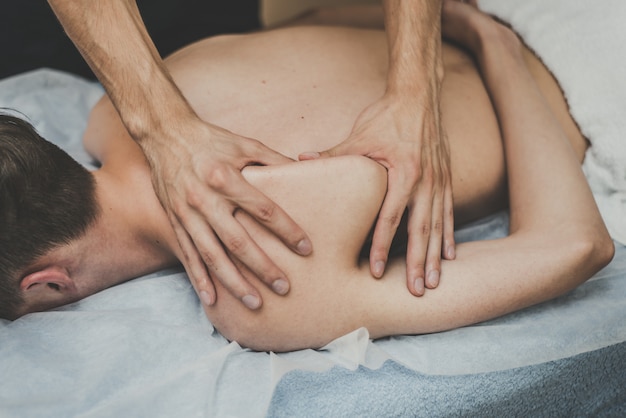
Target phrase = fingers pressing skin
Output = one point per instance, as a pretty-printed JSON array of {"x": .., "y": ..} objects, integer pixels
[
  {"x": 448, "y": 223},
  {"x": 205, "y": 259},
  {"x": 196, "y": 166},
  {"x": 201, "y": 190},
  {"x": 388, "y": 221},
  {"x": 193, "y": 264},
  {"x": 431, "y": 220},
  {"x": 431, "y": 235},
  {"x": 417, "y": 161}
]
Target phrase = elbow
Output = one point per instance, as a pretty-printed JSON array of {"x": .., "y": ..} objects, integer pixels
[
  {"x": 592, "y": 250},
  {"x": 576, "y": 257},
  {"x": 605, "y": 252},
  {"x": 602, "y": 248}
]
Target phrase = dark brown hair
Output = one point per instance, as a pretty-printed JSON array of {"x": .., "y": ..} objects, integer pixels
[{"x": 47, "y": 199}]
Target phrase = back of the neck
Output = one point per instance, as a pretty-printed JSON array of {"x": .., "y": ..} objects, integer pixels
[{"x": 131, "y": 236}]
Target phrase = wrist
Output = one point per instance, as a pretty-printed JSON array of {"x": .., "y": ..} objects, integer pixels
[{"x": 414, "y": 91}]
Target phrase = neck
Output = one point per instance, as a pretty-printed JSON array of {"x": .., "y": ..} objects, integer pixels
[{"x": 131, "y": 236}]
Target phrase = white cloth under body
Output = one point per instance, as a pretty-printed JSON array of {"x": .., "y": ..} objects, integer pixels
[{"x": 145, "y": 348}]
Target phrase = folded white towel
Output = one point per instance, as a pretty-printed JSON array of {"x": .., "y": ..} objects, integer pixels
[{"x": 582, "y": 43}]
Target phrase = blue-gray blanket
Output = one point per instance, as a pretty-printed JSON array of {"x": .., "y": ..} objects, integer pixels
[{"x": 590, "y": 384}]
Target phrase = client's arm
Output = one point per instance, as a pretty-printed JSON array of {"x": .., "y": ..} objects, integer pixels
[{"x": 549, "y": 250}]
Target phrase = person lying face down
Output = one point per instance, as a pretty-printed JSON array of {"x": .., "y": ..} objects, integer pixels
[{"x": 67, "y": 233}]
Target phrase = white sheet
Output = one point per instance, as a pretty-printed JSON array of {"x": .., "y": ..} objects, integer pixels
[{"x": 145, "y": 348}]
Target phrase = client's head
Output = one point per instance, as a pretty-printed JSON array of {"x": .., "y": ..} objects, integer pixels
[{"x": 47, "y": 200}]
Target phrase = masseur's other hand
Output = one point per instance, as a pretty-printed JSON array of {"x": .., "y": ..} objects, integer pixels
[
  {"x": 197, "y": 176},
  {"x": 403, "y": 133}
]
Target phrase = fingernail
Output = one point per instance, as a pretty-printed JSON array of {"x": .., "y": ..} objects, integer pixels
[
  {"x": 379, "y": 269},
  {"x": 304, "y": 247},
  {"x": 418, "y": 285},
  {"x": 280, "y": 286},
  {"x": 251, "y": 301},
  {"x": 433, "y": 278},
  {"x": 205, "y": 298},
  {"x": 451, "y": 252},
  {"x": 310, "y": 155}
]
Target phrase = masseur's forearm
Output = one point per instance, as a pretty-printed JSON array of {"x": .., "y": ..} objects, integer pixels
[
  {"x": 414, "y": 38},
  {"x": 114, "y": 41}
]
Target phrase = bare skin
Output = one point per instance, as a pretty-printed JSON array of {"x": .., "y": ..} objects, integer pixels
[
  {"x": 402, "y": 131},
  {"x": 548, "y": 252},
  {"x": 544, "y": 256},
  {"x": 196, "y": 164}
]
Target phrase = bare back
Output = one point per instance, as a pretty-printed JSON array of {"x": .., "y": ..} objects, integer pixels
[{"x": 300, "y": 89}]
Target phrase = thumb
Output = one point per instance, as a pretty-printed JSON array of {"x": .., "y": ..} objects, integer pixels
[
  {"x": 335, "y": 151},
  {"x": 264, "y": 155},
  {"x": 310, "y": 155}
]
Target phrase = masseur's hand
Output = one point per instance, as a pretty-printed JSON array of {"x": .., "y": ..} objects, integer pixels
[
  {"x": 196, "y": 167},
  {"x": 198, "y": 179},
  {"x": 402, "y": 131},
  {"x": 404, "y": 135}
]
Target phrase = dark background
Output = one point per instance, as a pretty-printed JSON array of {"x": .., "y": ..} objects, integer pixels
[{"x": 31, "y": 36}]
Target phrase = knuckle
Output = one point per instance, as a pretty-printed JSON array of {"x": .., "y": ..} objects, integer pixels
[
  {"x": 418, "y": 265},
  {"x": 417, "y": 270},
  {"x": 424, "y": 230},
  {"x": 380, "y": 251},
  {"x": 236, "y": 244},
  {"x": 209, "y": 260},
  {"x": 437, "y": 227},
  {"x": 193, "y": 199},
  {"x": 434, "y": 262},
  {"x": 217, "y": 178},
  {"x": 265, "y": 211},
  {"x": 392, "y": 220},
  {"x": 269, "y": 275}
]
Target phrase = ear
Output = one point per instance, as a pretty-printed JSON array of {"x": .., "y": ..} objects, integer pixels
[{"x": 52, "y": 279}]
